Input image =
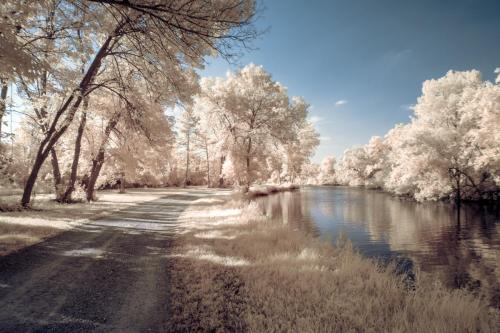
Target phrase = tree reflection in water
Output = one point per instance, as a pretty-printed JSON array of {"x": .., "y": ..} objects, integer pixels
[{"x": 461, "y": 248}]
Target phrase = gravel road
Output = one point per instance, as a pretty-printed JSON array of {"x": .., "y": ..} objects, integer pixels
[{"x": 109, "y": 275}]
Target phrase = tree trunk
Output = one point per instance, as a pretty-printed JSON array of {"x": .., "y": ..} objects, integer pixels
[
  {"x": 97, "y": 163},
  {"x": 53, "y": 134},
  {"x": 186, "y": 177},
  {"x": 249, "y": 149},
  {"x": 56, "y": 172},
  {"x": 122, "y": 182},
  {"x": 98, "y": 160},
  {"x": 30, "y": 182},
  {"x": 458, "y": 198},
  {"x": 208, "y": 165},
  {"x": 3, "y": 101},
  {"x": 76, "y": 155},
  {"x": 221, "y": 177}
]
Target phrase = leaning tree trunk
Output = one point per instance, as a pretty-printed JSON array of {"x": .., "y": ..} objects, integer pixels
[
  {"x": 42, "y": 116},
  {"x": 56, "y": 172},
  {"x": 53, "y": 134},
  {"x": 66, "y": 197},
  {"x": 47, "y": 145},
  {"x": 30, "y": 182},
  {"x": 98, "y": 160},
  {"x": 97, "y": 163}
]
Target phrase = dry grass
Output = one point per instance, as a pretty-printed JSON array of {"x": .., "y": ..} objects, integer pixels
[
  {"x": 241, "y": 273},
  {"x": 15, "y": 236}
]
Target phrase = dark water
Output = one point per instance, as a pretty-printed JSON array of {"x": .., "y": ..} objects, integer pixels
[{"x": 460, "y": 248}]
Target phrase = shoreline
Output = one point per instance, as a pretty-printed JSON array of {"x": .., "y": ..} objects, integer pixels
[{"x": 276, "y": 278}]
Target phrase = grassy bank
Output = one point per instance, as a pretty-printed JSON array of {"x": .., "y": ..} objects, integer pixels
[{"x": 234, "y": 270}]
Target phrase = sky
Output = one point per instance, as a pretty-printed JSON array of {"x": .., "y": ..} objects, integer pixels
[{"x": 361, "y": 63}]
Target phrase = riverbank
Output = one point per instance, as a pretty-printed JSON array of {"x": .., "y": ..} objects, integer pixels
[
  {"x": 267, "y": 189},
  {"x": 235, "y": 270}
]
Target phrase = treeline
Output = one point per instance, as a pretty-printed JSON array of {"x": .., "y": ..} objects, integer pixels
[{"x": 449, "y": 150}]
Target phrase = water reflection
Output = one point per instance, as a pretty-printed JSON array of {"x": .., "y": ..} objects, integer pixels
[
  {"x": 290, "y": 208},
  {"x": 462, "y": 248}
]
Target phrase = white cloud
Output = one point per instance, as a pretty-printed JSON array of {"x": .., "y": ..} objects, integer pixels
[
  {"x": 402, "y": 53},
  {"x": 325, "y": 138},
  {"x": 396, "y": 56},
  {"x": 341, "y": 102}
]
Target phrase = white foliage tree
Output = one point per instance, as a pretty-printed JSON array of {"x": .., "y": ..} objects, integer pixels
[
  {"x": 327, "y": 171},
  {"x": 450, "y": 149},
  {"x": 255, "y": 114}
]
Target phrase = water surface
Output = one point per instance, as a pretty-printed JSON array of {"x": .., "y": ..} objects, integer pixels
[{"x": 460, "y": 248}]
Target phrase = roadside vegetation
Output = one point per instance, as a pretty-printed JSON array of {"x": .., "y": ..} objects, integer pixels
[{"x": 234, "y": 270}]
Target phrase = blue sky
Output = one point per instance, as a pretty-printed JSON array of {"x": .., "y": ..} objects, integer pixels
[{"x": 372, "y": 55}]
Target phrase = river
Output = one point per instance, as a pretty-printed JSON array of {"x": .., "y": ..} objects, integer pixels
[{"x": 460, "y": 248}]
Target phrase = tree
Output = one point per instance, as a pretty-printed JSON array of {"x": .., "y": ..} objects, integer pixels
[
  {"x": 14, "y": 58},
  {"x": 204, "y": 143},
  {"x": 298, "y": 150},
  {"x": 327, "y": 171},
  {"x": 439, "y": 139},
  {"x": 188, "y": 130},
  {"x": 254, "y": 112},
  {"x": 139, "y": 113},
  {"x": 212, "y": 139},
  {"x": 160, "y": 38},
  {"x": 50, "y": 35},
  {"x": 137, "y": 153},
  {"x": 366, "y": 166}
]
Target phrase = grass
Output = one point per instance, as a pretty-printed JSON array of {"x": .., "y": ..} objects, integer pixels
[
  {"x": 238, "y": 271},
  {"x": 17, "y": 236}
]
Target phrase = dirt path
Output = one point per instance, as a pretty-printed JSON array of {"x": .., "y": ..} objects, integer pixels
[{"x": 111, "y": 275}]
